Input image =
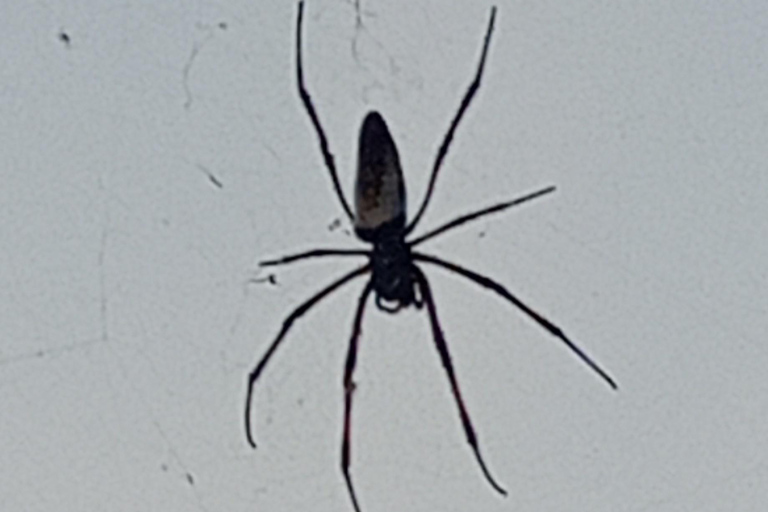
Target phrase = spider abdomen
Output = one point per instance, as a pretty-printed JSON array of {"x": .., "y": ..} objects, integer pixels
[{"x": 379, "y": 186}]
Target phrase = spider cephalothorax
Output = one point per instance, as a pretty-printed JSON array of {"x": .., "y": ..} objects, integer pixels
[
  {"x": 391, "y": 274},
  {"x": 396, "y": 279}
]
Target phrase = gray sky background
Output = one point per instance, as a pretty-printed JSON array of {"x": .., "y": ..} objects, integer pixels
[{"x": 150, "y": 161}]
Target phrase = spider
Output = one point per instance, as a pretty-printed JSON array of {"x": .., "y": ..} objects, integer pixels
[{"x": 396, "y": 279}]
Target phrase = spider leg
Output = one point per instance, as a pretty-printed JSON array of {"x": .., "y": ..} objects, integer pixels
[
  {"x": 296, "y": 313},
  {"x": 349, "y": 389},
  {"x": 473, "y": 87},
  {"x": 458, "y": 221},
  {"x": 534, "y": 315},
  {"x": 445, "y": 357},
  {"x": 307, "y": 101},
  {"x": 314, "y": 253}
]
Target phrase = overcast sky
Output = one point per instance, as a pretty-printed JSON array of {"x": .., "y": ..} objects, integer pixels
[{"x": 151, "y": 153}]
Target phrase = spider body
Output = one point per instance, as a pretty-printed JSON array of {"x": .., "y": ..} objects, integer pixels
[
  {"x": 396, "y": 278},
  {"x": 380, "y": 214}
]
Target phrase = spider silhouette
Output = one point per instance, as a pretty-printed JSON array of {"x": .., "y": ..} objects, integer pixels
[{"x": 396, "y": 279}]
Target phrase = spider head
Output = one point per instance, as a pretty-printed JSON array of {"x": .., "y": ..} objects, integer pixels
[{"x": 391, "y": 273}]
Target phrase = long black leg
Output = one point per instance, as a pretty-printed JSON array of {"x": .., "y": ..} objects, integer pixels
[
  {"x": 480, "y": 213},
  {"x": 454, "y": 124},
  {"x": 445, "y": 357},
  {"x": 296, "y": 313},
  {"x": 314, "y": 253},
  {"x": 349, "y": 389},
  {"x": 538, "y": 318},
  {"x": 307, "y": 101}
]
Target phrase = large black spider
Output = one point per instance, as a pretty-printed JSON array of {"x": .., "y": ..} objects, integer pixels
[{"x": 396, "y": 279}]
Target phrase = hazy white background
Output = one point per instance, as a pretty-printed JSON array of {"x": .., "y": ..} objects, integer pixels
[{"x": 149, "y": 162}]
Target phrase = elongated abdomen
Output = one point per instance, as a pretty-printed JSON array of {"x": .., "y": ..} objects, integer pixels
[{"x": 379, "y": 187}]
